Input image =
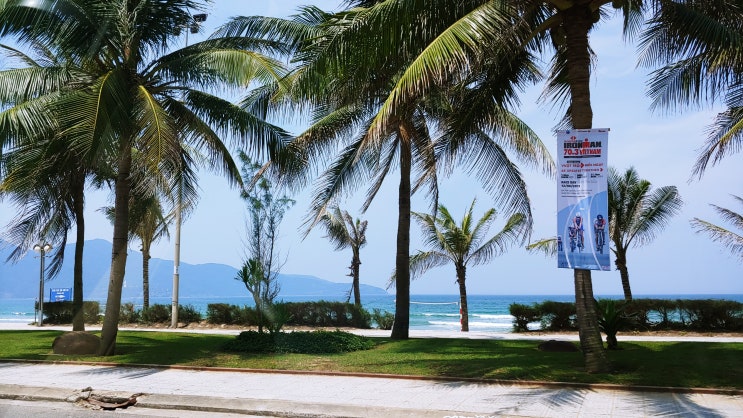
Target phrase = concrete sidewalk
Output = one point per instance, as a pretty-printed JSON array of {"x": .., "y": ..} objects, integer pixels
[
  {"x": 313, "y": 395},
  {"x": 345, "y": 395}
]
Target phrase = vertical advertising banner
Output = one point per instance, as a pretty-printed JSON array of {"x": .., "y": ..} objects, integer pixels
[{"x": 582, "y": 199}]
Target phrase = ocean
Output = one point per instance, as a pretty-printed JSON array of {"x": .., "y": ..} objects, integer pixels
[{"x": 488, "y": 313}]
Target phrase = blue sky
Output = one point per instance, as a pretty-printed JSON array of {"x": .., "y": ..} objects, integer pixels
[{"x": 661, "y": 147}]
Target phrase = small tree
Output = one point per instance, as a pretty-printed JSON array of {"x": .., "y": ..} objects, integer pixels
[
  {"x": 463, "y": 244},
  {"x": 344, "y": 232},
  {"x": 265, "y": 213},
  {"x": 636, "y": 215}
]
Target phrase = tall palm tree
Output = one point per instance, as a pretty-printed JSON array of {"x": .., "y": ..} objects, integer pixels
[
  {"x": 698, "y": 44},
  {"x": 462, "y": 245},
  {"x": 731, "y": 240},
  {"x": 46, "y": 179},
  {"x": 637, "y": 214},
  {"x": 499, "y": 29},
  {"x": 348, "y": 63},
  {"x": 144, "y": 97},
  {"x": 345, "y": 232}
]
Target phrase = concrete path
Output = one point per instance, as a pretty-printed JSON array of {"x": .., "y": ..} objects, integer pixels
[{"x": 318, "y": 395}]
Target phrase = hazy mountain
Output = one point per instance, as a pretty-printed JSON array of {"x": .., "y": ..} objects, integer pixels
[{"x": 21, "y": 280}]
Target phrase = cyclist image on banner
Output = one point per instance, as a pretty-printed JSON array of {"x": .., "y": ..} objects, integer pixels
[
  {"x": 577, "y": 227},
  {"x": 599, "y": 230}
]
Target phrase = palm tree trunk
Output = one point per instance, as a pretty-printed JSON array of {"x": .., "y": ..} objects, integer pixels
[
  {"x": 145, "y": 276},
  {"x": 355, "y": 265},
  {"x": 579, "y": 20},
  {"x": 118, "y": 252},
  {"x": 78, "y": 313},
  {"x": 401, "y": 325},
  {"x": 621, "y": 263},
  {"x": 461, "y": 275}
]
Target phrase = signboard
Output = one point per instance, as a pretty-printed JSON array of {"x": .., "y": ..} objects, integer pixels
[
  {"x": 60, "y": 294},
  {"x": 582, "y": 199}
]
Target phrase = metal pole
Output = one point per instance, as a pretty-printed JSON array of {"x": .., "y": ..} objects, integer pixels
[
  {"x": 42, "y": 249},
  {"x": 41, "y": 286},
  {"x": 176, "y": 259},
  {"x": 196, "y": 21}
]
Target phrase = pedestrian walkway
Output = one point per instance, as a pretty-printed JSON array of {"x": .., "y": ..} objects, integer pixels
[
  {"x": 305, "y": 394},
  {"x": 334, "y": 395}
]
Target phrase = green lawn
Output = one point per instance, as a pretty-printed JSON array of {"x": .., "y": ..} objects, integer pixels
[{"x": 679, "y": 364}]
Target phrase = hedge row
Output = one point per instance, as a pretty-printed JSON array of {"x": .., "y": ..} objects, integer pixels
[
  {"x": 314, "y": 314},
  {"x": 61, "y": 312},
  {"x": 645, "y": 314},
  {"x": 157, "y": 314}
]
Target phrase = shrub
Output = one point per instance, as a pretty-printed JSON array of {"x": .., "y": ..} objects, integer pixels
[
  {"x": 383, "y": 319},
  {"x": 711, "y": 315},
  {"x": 315, "y": 342},
  {"x": 61, "y": 312},
  {"x": 128, "y": 314},
  {"x": 557, "y": 315},
  {"x": 612, "y": 319},
  {"x": 328, "y": 314},
  {"x": 188, "y": 313},
  {"x": 92, "y": 312},
  {"x": 157, "y": 314},
  {"x": 523, "y": 315},
  {"x": 278, "y": 316},
  {"x": 219, "y": 313}
]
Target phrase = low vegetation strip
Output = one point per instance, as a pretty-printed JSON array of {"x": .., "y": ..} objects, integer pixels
[{"x": 676, "y": 364}]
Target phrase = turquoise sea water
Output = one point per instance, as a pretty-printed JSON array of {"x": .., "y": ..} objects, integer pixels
[{"x": 427, "y": 312}]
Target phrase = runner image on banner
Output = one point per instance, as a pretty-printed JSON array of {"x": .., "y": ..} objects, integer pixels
[{"x": 582, "y": 199}]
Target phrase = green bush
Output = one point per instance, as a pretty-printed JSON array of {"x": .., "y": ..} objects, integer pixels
[
  {"x": 156, "y": 314},
  {"x": 128, "y": 314},
  {"x": 711, "y": 315},
  {"x": 612, "y": 319},
  {"x": 328, "y": 314},
  {"x": 314, "y": 342},
  {"x": 523, "y": 315},
  {"x": 557, "y": 316},
  {"x": 383, "y": 319},
  {"x": 188, "y": 314},
  {"x": 61, "y": 312}
]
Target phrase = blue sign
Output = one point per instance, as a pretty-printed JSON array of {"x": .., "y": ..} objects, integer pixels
[{"x": 60, "y": 294}]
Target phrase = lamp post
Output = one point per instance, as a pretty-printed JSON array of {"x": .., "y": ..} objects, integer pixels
[
  {"x": 42, "y": 250},
  {"x": 193, "y": 27}
]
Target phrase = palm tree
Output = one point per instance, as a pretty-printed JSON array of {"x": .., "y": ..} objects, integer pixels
[
  {"x": 347, "y": 65},
  {"x": 728, "y": 238},
  {"x": 344, "y": 232},
  {"x": 636, "y": 215},
  {"x": 462, "y": 244},
  {"x": 143, "y": 97},
  {"x": 698, "y": 44},
  {"x": 503, "y": 29},
  {"x": 45, "y": 178}
]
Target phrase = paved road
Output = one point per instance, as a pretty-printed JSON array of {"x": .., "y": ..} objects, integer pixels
[{"x": 191, "y": 391}]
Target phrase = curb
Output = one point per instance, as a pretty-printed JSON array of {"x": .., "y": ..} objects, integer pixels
[{"x": 206, "y": 404}]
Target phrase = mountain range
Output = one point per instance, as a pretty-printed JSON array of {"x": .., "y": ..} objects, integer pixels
[{"x": 21, "y": 280}]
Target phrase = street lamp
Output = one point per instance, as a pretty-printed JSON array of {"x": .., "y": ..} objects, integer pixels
[
  {"x": 193, "y": 27},
  {"x": 42, "y": 250}
]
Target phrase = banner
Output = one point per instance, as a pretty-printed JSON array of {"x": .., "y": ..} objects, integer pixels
[{"x": 582, "y": 199}]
